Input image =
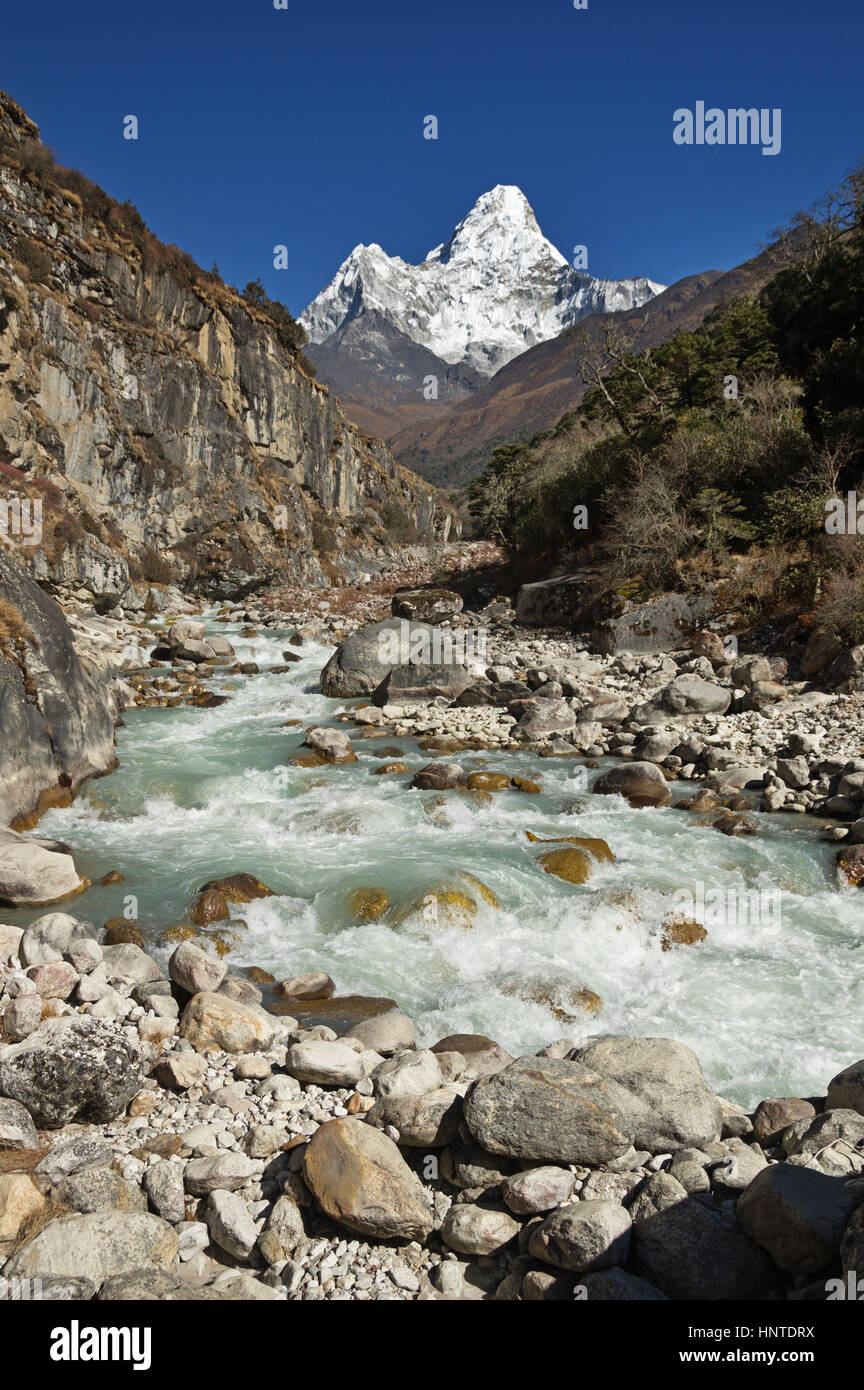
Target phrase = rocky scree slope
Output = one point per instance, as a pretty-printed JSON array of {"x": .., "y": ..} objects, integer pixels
[{"x": 162, "y": 420}]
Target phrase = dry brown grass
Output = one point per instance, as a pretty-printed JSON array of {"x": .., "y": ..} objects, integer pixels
[
  {"x": 14, "y": 632},
  {"x": 37, "y": 1222}
]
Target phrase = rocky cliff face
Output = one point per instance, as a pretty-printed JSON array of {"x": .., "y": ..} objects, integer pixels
[
  {"x": 56, "y": 718},
  {"x": 161, "y": 424}
]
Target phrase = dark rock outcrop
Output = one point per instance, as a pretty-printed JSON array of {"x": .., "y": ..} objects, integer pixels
[{"x": 57, "y": 721}]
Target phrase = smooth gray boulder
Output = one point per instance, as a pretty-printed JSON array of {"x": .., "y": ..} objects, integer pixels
[
  {"x": 368, "y": 656},
  {"x": 692, "y": 695},
  {"x": 96, "y": 1246},
  {"x": 549, "y": 1110},
  {"x": 669, "y": 1104},
  {"x": 72, "y": 1068}
]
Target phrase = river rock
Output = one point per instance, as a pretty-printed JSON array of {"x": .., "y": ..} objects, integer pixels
[
  {"x": 846, "y": 1089},
  {"x": 179, "y": 1070},
  {"x": 163, "y": 1183},
  {"x": 22, "y": 1017},
  {"x": 50, "y": 937},
  {"x": 617, "y": 1286},
  {"x": 537, "y": 1190},
  {"x": 361, "y": 1180},
  {"x": 334, "y": 745},
  {"x": 216, "y": 1023},
  {"x": 96, "y": 1246},
  {"x": 689, "y": 1251},
  {"x": 362, "y": 662},
  {"x": 283, "y": 1231},
  {"x": 54, "y": 980},
  {"x": 549, "y": 1110},
  {"x": 196, "y": 971},
  {"x": 17, "y": 1130},
  {"x": 420, "y": 685},
  {"x": 583, "y": 1236},
  {"x": 230, "y": 1224},
  {"x": 32, "y": 876},
  {"x": 20, "y": 1199},
  {"x": 130, "y": 963},
  {"x": 669, "y": 1106},
  {"x": 439, "y": 777},
  {"x": 324, "y": 1063},
  {"x": 10, "y": 945},
  {"x": 385, "y": 1033},
  {"x": 474, "y": 1230},
  {"x": 641, "y": 784},
  {"x": 798, "y": 1215},
  {"x": 99, "y": 1189},
  {"x": 423, "y": 1121},
  {"x": 482, "y": 1056},
  {"x": 407, "y": 1074},
  {"x": 71, "y": 1068},
  {"x": 225, "y": 1170},
  {"x": 771, "y": 1117},
  {"x": 74, "y": 1156},
  {"x": 425, "y": 605},
  {"x": 315, "y": 985}
]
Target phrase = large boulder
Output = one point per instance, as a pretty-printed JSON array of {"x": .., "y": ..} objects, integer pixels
[
  {"x": 50, "y": 937},
  {"x": 368, "y": 656},
  {"x": 420, "y": 685},
  {"x": 32, "y": 875},
  {"x": 667, "y": 623},
  {"x": 670, "y": 1106},
  {"x": 641, "y": 784},
  {"x": 72, "y": 1068},
  {"x": 429, "y": 1121},
  {"x": 324, "y": 1063},
  {"x": 425, "y": 605},
  {"x": 540, "y": 716},
  {"x": 57, "y": 719},
  {"x": 217, "y": 1023},
  {"x": 96, "y": 1246},
  {"x": 549, "y": 1110},
  {"x": 692, "y": 695},
  {"x": 846, "y": 1089},
  {"x": 690, "y": 1251},
  {"x": 362, "y": 1181},
  {"x": 798, "y": 1215},
  {"x": 196, "y": 971}
]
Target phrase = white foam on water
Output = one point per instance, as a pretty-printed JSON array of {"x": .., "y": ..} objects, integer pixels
[{"x": 202, "y": 793}]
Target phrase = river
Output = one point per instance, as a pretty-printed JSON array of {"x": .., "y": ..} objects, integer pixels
[{"x": 770, "y": 1008}]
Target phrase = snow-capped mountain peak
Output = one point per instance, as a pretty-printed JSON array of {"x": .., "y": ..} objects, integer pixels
[{"x": 494, "y": 289}]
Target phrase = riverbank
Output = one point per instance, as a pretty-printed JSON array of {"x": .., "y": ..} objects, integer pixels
[{"x": 374, "y": 886}]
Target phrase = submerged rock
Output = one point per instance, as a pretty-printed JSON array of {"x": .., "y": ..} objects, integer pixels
[{"x": 641, "y": 784}]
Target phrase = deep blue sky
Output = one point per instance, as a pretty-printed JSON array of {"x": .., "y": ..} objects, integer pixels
[{"x": 304, "y": 126}]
